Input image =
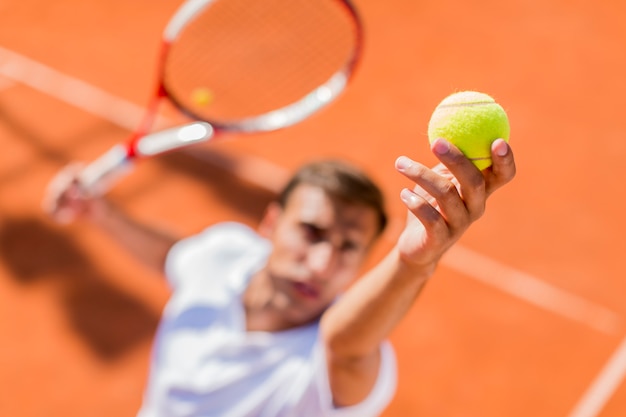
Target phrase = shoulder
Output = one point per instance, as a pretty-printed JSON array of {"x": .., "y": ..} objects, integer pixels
[
  {"x": 221, "y": 232},
  {"x": 216, "y": 246},
  {"x": 311, "y": 394},
  {"x": 222, "y": 237},
  {"x": 379, "y": 397}
]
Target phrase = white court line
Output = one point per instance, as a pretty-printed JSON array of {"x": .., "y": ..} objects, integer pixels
[
  {"x": 5, "y": 83},
  {"x": 604, "y": 386},
  {"x": 532, "y": 290},
  {"x": 69, "y": 90},
  {"x": 125, "y": 114}
]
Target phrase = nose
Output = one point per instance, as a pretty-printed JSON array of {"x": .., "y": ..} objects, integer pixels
[{"x": 321, "y": 259}]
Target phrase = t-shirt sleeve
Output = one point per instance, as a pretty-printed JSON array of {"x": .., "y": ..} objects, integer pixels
[
  {"x": 377, "y": 400},
  {"x": 195, "y": 256}
]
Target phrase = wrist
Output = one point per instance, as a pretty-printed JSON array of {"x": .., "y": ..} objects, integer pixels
[
  {"x": 423, "y": 269},
  {"x": 98, "y": 210}
]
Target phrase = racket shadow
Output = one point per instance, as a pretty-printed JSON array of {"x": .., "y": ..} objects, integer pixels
[
  {"x": 217, "y": 172},
  {"x": 107, "y": 319},
  {"x": 44, "y": 146}
]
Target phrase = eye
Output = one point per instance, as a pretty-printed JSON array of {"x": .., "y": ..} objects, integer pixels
[
  {"x": 349, "y": 246},
  {"x": 311, "y": 232}
]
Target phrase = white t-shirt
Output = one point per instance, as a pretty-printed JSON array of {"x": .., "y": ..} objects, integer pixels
[{"x": 204, "y": 361}]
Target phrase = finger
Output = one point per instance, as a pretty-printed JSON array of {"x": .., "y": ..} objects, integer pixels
[
  {"x": 470, "y": 181},
  {"x": 430, "y": 218},
  {"x": 60, "y": 186},
  {"x": 503, "y": 169},
  {"x": 64, "y": 216},
  {"x": 55, "y": 189},
  {"x": 439, "y": 191}
]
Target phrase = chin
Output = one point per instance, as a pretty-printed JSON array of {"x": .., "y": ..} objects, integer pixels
[{"x": 300, "y": 315}]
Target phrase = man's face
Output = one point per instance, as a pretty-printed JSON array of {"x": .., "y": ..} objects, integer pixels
[{"x": 319, "y": 246}]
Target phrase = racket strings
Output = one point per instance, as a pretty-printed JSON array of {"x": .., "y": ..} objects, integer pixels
[{"x": 246, "y": 58}]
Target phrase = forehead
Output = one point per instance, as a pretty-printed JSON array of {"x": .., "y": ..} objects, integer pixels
[{"x": 311, "y": 204}]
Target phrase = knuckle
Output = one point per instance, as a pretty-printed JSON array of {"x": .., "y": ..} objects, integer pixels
[
  {"x": 476, "y": 182},
  {"x": 427, "y": 215},
  {"x": 417, "y": 170},
  {"x": 478, "y": 211},
  {"x": 512, "y": 172},
  {"x": 447, "y": 193},
  {"x": 448, "y": 189}
]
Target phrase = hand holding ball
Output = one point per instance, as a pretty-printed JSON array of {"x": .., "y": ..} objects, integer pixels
[{"x": 471, "y": 121}]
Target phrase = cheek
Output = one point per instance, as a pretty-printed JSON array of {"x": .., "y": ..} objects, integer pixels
[
  {"x": 288, "y": 244},
  {"x": 347, "y": 271}
]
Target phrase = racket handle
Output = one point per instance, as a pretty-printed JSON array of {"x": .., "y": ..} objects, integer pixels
[
  {"x": 173, "y": 138},
  {"x": 100, "y": 175}
]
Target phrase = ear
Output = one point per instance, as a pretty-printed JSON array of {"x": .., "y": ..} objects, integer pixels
[{"x": 270, "y": 219}]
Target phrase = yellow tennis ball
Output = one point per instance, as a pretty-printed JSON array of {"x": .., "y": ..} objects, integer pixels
[
  {"x": 471, "y": 121},
  {"x": 202, "y": 96}
]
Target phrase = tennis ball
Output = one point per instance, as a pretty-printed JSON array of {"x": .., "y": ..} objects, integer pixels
[
  {"x": 202, "y": 96},
  {"x": 471, "y": 121}
]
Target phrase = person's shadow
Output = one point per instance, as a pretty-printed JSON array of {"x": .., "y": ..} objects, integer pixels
[{"x": 108, "y": 319}]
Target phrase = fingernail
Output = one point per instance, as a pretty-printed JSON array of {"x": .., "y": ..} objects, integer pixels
[
  {"x": 500, "y": 147},
  {"x": 407, "y": 195},
  {"x": 441, "y": 147},
  {"x": 402, "y": 163}
]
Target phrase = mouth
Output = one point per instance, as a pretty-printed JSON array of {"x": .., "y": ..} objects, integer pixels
[{"x": 306, "y": 290}]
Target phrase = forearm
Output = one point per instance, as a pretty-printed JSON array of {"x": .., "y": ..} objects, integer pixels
[
  {"x": 445, "y": 201},
  {"x": 145, "y": 243},
  {"x": 357, "y": 324},
  {"x": 354, "y": 327}
]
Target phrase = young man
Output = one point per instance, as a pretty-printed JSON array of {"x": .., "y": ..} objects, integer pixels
[{"x": 263, "y": 323}]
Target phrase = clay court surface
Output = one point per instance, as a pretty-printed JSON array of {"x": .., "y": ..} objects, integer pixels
[{"x": 525, "y": 317}]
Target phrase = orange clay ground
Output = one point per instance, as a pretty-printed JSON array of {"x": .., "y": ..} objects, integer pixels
[{"x": 525, "y": 317}]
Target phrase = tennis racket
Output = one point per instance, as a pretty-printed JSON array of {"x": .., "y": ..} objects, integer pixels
[{"x": 240, "y": 66}]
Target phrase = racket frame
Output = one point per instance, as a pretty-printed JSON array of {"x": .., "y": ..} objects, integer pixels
[
  {"x": 285, "y": 116},
  {"x": 102, "y": 173}
]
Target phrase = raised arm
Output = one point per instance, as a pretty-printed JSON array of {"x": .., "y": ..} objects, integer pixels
[
  {"x": 445, "y": 201},
  {"x": 65, "y": 201}
]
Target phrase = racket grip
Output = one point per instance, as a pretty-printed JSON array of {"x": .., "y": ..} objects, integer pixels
[
  {"x": 174, "y": 138},
  {"x": 100, "y": 175}
]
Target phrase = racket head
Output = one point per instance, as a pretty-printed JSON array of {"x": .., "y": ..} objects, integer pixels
[{"x": 259, "y": 65}]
